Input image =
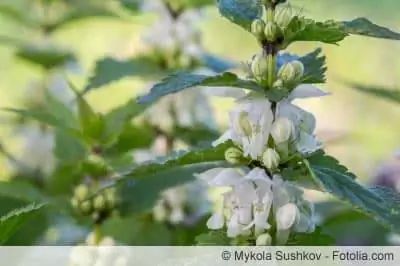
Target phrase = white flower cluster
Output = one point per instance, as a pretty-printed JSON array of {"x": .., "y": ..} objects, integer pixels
[
  {"x": 256, "y": 203},
  {"x": 259, "y": 201},
  {"x": 170, "y": 33}
]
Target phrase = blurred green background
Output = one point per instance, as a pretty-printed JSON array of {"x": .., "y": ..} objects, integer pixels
[{"x": 360, "y": 130}]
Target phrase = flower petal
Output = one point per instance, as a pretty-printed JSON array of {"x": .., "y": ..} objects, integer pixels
[
  {"x": 306, "y": 91},
  {"x": 286, "y": 216},
  {"x": 216, "y": 221}
]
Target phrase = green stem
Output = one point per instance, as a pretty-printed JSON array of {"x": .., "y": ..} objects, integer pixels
[
  {"x": 97, "y": 234},
  {"x": 271, "y": 69},
  {"x": 270, "y": 15}
]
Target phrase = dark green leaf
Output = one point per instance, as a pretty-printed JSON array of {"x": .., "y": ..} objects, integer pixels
[
  {"x": 184, "y": 80},
  {"x": 21, "y": 190},
  {"x": 117, "y": 119},
  {"x": 303, "y": 29},
  {"x": 110, "y": 70},
  {"x": 314, "y": 67},
  {"x": 364, "y": 27},
  {"x": 44, "y": 56},
  {"x": 217, "y": 64},
  {"x": 11, "y": 222},
  {"x": 68, "y": 148},
  {"x": 141, "y": 185},
  {"x": 317, "y": 238},
  {"x": 241, "y": 12},
  {"x": 381, "y": 92},
  {"x": 213, "y": 238},
  {"x": 337, "y": 180}
]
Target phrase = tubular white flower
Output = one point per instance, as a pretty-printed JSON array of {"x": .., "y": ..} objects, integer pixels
[
  {"x": 270, "y": 158},
  {"x": 250, "y": 126},
  {"x": 264, "y": 240},
  {"x": 216, "y": 221},
  {"x": 282, "y": 129}
]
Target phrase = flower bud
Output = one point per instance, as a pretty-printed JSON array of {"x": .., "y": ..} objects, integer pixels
[
  {"x": 270, "y": 158},
  {"x": 259, "y": 67},
  {"x": 81, "y": 192},
  {"x": 286, "y": 216},
  {"x": 271, "y": 31},
  {"x": 291, "y": 71},
  {"x": 278, "y": 84},
  {"x": 257, "y": 28},
  {"x": 283, "y": 16},
  {"x": 264, "y": 240},
  {"x": 282, "y": 130},
  {"x": 244, "y": 124},
  {"x": 233, "y": 155},
  {"x": 86, "y": 207},
  {"x": 99, "y": 202},
  {"x": 110, "y": 197}
]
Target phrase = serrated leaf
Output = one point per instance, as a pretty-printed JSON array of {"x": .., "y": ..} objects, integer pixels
[
  {"x": 142, "y": 184},
  {"x": 241, "y": 12},
  {"x": 314, "y": 67},
  {"x": 364, "y": 27},
  {"x": 303, "y": 29},
  {"x": 45, "y": 56},
  {"x": 11, "y": 222},
  {"x": 337, "y": 180},
  {"x": 389, "y": 94},
  {"x": 110, "y": 70},
  {"x": 184, "y": 80},
  {"x": 213, "y": 238}
]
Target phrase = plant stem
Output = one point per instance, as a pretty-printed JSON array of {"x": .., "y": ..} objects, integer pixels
[
  {"x": 97, "y": 234},
  {"x": 271, "y": 69}
]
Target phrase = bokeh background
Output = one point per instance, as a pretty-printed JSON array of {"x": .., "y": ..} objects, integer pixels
[{"x": 360, "y": 130}]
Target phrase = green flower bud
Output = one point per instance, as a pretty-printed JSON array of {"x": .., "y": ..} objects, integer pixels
[
  {"x": 111, "y": 199},
  {"x": 81, "y": 192},
  {"x": 271, "y": 31},
  {"x": 233, "y": 155},
  {"x": 257, "y": 28},
  {"x": 86, "y": 207},
  {"x": 270, "y": 159},
  {"x": 259, "y": 67},
  {"x": 264, "y": 240},
  {"x": 99, "y": 203},
  {"x": 75, "y": 203},
  {"x": 278, "y": 84},
  {"x": 282, "y": 130},
  {"x": 291, "y": 71},
  {"x": 244, "y": 124},
  {"x": 283, "y": 16}
]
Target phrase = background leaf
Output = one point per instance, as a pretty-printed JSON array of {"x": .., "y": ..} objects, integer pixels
[
  {"x": 12, "y": 221},
  {"x": 364, "y": 27},
  {"x": 389, "y": 94}
]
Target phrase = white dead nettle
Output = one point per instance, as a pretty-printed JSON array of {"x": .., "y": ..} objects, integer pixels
[
  {"x": 253, "y": 197},
  {"x": 303, "y": 121},
  {"x": 250, "y": 122}
]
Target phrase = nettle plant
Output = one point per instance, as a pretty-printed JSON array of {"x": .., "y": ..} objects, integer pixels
[{"x": 270, "y": 150}]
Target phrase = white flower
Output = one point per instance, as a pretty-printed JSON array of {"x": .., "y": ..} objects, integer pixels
[
  {"x": 250, "y": 125},
  {"x": 264, "y": 240},
  {"x": 304, "y": 122}
]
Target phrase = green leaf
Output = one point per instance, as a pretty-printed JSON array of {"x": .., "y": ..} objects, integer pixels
[
  {"x": 196, "y": 135},
  {"x": 68, "y": 148},
  {"x": 21, "y": 190},
  {"x": 184, "y": 80},
  {"x": 11, "y": 222},
  {"x": 389, "y": 94},
  {"x": 314, "y": 67},
  {"x": 364, "y": 27},
  {"x": 141, "y": 185},
  {"x": 337, "y": 180},
  {"x": 110, "y": 70},
  {"x": 131, "y": 5},
  {"x": 241, "y": 12},
  {"x": 117, "y": 119},
  {"x": 60, "y": 111},
  {"x": 316, "y": 238},
  {"x": 45, "y": 56},
  {"x": 303, "y": 29},
  {"x": 17, "y": 16},
  {"x": 187, "y": 4},
  {"x": 213, "y": 238}
]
